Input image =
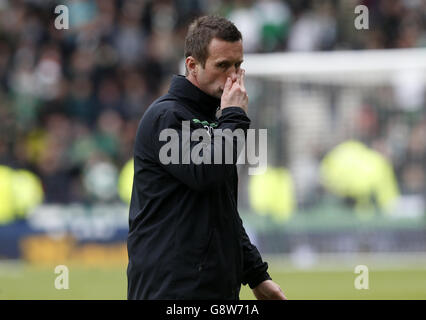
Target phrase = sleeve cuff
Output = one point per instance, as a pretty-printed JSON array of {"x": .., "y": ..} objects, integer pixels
[
  {"x": 233, "y": 110},
  {"x": 253, "y": 283}
]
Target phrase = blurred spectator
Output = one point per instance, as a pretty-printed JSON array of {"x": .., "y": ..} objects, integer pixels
[
  {"x": 314, "y": 29},
  {"x": 263, "y": 24}
]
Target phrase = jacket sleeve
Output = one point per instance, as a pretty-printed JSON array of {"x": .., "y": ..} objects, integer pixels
[
  {"x": 254, "y": 268},
  {"x": 199, "y": 176}
]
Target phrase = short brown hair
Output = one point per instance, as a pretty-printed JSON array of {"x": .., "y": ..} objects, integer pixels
[{"x": 203, "y": 30}]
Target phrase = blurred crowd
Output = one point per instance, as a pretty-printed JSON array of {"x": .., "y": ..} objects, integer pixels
[
  {"x": 393, "y": 122},
  {"x": 71, "y": 100}
]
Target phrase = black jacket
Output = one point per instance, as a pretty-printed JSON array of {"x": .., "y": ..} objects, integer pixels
[{"x": 186, "y": 239}]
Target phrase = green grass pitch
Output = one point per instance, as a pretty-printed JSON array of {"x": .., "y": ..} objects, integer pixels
[{"x": 20, "y": 281}]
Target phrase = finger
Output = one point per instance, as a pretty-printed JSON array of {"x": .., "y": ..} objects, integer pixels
[
  {"x": 243, "y": 72},
  {"x": 281, "y": 295},
  {"x": 228, "y": 84},
  {"x": 239, "y": 73}
]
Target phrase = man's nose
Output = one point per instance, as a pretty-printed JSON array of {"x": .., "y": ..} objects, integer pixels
[{"x": 233, "y": 74}]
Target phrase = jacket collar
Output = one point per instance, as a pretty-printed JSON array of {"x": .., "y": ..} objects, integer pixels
[{"x": 194, "y": 96}]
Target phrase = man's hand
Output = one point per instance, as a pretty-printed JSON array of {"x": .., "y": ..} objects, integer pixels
[
  {"x": 234, "y": 93},
  {"x": 268, "y": 290}
]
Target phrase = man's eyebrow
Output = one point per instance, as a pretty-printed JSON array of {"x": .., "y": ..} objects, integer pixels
[{"x": 228, "y": 61}]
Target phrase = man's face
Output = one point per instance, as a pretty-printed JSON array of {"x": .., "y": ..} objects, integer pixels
[{"x": 224, "y": 60}]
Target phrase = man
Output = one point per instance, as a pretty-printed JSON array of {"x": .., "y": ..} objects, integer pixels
[{"x": 186, "y": 239}]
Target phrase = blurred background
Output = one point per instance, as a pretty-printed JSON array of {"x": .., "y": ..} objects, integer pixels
[{"x": 344, "y": 109}]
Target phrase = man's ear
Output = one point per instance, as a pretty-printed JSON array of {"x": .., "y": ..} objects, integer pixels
[{"x": 191, "y": 66}]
